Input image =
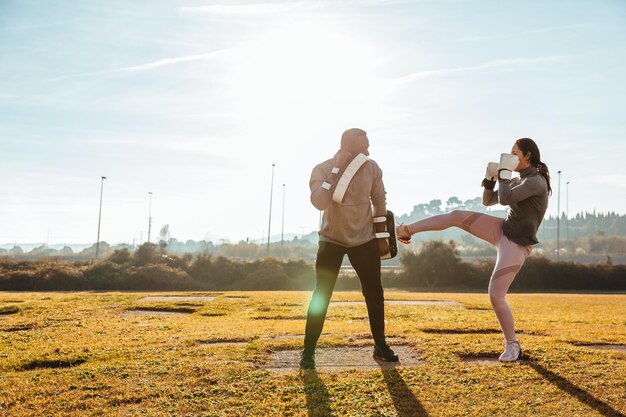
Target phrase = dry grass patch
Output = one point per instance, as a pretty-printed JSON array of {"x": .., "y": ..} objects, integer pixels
[{"x": 156, "y": 365}]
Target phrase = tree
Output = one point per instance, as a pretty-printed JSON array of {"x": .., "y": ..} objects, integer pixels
[
  {"x": 453, "y": 203},
  {"x": 437, "y": 263},
  {"x": 146, "y": 254},
  {"x": 120, "y": 256}
]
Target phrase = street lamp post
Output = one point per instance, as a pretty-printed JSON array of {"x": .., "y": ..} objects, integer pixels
[
  {"x": 100, "y": 215},
  {"x": 269, "y": 227},
  {"x": 282, "y": 228},
  {"x": 558, "y": 218},
  {"x": 567, "y": 211},
  {"x": 149, "y": 215}
]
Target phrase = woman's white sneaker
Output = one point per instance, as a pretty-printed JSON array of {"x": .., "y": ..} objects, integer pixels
[{"x": 512, "y": 352}]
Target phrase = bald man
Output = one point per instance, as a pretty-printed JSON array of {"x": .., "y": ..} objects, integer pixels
[{"x": 349, "y": 189}]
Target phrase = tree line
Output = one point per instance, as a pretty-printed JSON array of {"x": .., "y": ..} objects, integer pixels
[{"x": 435, "y": 266}]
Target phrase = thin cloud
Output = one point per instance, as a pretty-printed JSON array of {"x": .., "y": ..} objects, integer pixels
[
  {"x": 171, "y": 61},
  {"x": 240, "y": 9},
  {"x": 495, "y": 64},
  {"x": 147, "y": 66},
  {"x": 481, "y": 38},
  {"x": 558, "y": 28},
  {"x": 615, "y": 180}
]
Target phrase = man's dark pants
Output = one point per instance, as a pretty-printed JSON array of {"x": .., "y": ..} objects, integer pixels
[{"x": 365, "y": 260}]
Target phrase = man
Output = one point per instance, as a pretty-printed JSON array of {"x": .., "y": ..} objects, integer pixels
[{"x": 349, "y": 189}]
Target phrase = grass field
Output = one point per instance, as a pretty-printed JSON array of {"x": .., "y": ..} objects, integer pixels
[{"x": 105, "y": 354}]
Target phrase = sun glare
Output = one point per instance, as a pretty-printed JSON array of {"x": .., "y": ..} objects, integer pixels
[{"x": 302, "y": 69}]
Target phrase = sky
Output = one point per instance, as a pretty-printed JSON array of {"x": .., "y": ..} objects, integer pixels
[{"x": 195, "y": 100}]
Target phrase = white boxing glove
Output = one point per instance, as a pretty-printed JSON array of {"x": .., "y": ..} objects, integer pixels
[
  {"x": 492, "y": 171},
  {"x": 491, "y": 176},
  {"x": 508, "y": 162}
]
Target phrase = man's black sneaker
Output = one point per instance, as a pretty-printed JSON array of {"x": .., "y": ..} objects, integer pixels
[
  {"x": 384, "y": 353},
  {"x": 307, "y": 360}
]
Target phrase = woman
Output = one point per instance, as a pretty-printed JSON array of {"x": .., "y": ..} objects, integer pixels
[{"x": 513, "y": 237}]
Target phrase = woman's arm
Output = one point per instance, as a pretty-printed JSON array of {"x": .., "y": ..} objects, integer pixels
[
  {"x": 490, "y": 197},
  {"x": 510, "y": 194}
]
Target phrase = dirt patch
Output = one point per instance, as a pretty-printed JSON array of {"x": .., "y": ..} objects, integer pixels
[
  {"x": 422, "y": 303},
  {"x": 475, "y": 331},
  {"x": 391, "y": 340},
  {"x": 400, "y": 303},
  {"x": 619, "y": 348},
  {"x": 176, "y": 298},
  {"x": 155, "y": 313},
  {"x": 299, "y": 317},
  {"x": 347, "y": 303},
  {"x": 339, "y": 358},
  {"x": 361, "y": 320},
  {"x": 294, "y": 336},
  {"x": 208, "y": 343},
  {"x": 462, "y": 331}
]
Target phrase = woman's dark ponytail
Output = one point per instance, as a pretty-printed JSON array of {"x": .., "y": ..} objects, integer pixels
[
  {"x": 527, "y": 145},
  {"x": 543, "y": 170}
]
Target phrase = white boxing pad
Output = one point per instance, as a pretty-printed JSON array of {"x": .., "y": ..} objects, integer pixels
[{"x": 347, "y": 176}]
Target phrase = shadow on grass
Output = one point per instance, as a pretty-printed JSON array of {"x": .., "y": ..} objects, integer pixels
[
  {"x": 405, "y": 402},
  {"x": 54, "y": 363},
  {"x": 317, "y": 396},
  {"x": 6, "y": 310},
  {"x": 575, "y": 391}
]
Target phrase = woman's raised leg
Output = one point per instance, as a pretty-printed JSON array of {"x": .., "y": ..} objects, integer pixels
[{"x": 483, "y": 226}]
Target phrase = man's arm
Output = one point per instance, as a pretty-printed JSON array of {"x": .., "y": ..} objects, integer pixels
[
  {"x": 323, "y": 185},
  {"x": 378, "y": 196}
]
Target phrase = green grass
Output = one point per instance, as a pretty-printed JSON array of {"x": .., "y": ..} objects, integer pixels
[{"x": 82, "y": 354}]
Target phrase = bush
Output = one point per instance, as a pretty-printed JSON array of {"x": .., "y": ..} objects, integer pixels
[
  {"x": 120, "y": 256},
  {"x": 106, "y": 275},
  {"x": 436, "y": 264},
  {"x": 268, "y": 275},
  {"x": 157, "y": 277},
  {"x": 146, "y": 254}
]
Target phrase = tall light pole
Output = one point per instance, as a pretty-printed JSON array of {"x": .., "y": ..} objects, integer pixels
[
  {"x": 269, "y": 227},
  {"x": 149, "y": 214},
  {"x": 558, "y": 218},
  {"x": 100, "y": 215},
  {"x": 567, "y": 210},
  {"x": 282, "y": 229}
]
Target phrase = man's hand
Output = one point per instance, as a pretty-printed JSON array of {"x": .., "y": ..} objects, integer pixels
[
  {"x": 383, "y": 247},
  {"x": 342, "y": 159}
]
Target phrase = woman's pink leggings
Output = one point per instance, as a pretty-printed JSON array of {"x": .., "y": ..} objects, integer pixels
[{"x": 511, "y": 256}]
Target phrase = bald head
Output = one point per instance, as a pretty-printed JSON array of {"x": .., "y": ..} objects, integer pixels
[{"x": 355, "y": 141}]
